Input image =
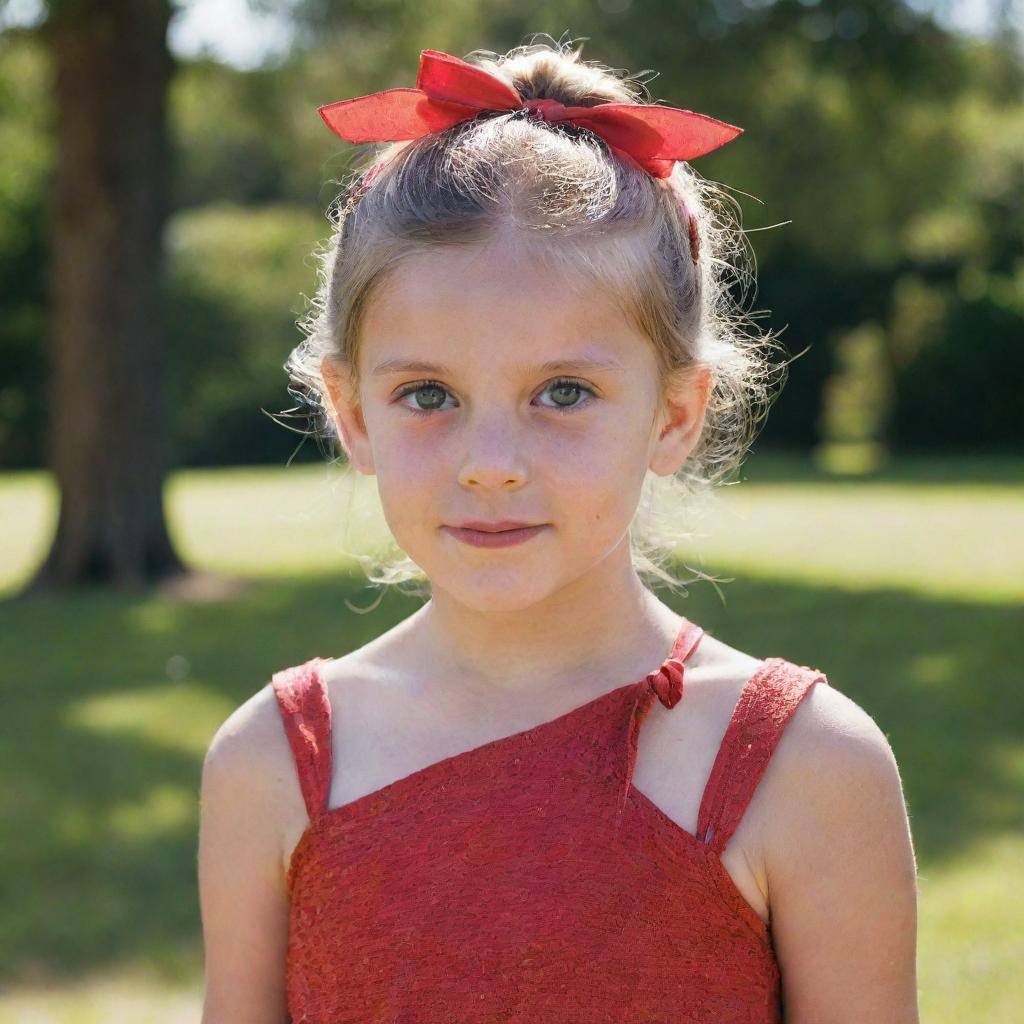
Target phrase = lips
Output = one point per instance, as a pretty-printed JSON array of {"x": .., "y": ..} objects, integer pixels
[
  {"x": 495, "y": 527},
  {"x": 493, "y": 538}
]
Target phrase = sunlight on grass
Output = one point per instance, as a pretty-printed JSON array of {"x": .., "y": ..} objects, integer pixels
[
  {"x": 122, "y": 998},
  {"x": 173, "y": 716},
  {"x": 28, "y": 518},
  {"x": 966, "y": 543},
  {"x": 967, "y": 972},
  {"x": 164, "y": 810},
  {"x": 271, "y": 522},
  {"x": 933, "y": 669}
]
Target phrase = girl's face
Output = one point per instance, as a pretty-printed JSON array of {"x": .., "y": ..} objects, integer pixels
[{"x": 493, "y": 389}]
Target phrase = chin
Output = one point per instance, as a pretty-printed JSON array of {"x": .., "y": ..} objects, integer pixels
[{"x": 493, "y": 590}]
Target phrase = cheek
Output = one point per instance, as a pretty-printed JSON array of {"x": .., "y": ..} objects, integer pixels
[
  {"x": 597, "y": 478},
  {"x": 405, "y": 482},
  {"x": 402, "y": 453},
  {"x": 406, "y": 475}
]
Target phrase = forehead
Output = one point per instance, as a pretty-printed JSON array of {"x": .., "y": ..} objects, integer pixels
[{"x": 505, "y": 296}]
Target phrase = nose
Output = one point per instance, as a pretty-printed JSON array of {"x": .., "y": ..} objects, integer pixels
[{"x": 493, "y": 456}]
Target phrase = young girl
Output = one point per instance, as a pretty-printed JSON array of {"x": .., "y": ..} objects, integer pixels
[{"x": 544, "y": 796}]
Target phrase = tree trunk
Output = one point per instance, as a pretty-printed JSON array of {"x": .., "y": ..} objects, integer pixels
[{"x": 108, "y": 443}]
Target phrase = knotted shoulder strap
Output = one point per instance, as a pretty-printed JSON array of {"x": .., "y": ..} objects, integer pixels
[
  {"x": 765, "y": 705},
  {"x": 306, "y": 712}
]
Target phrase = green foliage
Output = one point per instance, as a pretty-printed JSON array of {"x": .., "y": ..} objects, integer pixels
[
  {"x": 235, "y": 285},
  {"x": 857, "y": 398},
  {"x": 26, "y": 155},
  {"x": 229, "y": 124}
]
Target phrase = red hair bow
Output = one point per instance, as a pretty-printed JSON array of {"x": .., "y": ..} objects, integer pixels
[{"x": 449, "y": 90}]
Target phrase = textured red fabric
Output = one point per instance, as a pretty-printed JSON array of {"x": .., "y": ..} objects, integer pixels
[{"x": 527, "y": 880}]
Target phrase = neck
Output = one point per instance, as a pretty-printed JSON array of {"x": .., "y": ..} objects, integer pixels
[{"x": 587, "y": 637}]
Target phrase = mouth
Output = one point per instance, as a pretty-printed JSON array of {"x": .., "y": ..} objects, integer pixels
[
  {"x": 494, "y": 538},
  {"x": 499, "y": 526}
]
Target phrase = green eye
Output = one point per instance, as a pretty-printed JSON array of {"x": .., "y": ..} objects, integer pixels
[
  {"x": 561, "y": 384},
  {"x": 421, "y": 386},
  {"x": 566, "y": 384}
]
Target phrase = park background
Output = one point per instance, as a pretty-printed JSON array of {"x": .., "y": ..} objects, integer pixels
[{"x": 167, "y": 541}]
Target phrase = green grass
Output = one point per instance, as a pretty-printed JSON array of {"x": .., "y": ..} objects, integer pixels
[{"x": 906, "y": 587}]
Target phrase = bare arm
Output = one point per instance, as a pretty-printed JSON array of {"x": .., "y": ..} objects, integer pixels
[
  {"x": 242, "y": 894},
  {"x": 841, "y": 871}
]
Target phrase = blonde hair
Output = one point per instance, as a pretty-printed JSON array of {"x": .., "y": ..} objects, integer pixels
[{"x": 561, "y": 188}]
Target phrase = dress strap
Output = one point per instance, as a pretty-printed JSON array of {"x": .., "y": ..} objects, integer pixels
[
  {"x": 665, "y": 683},
  {"x": 306, "y": 713},
  {"x": 765, "y": 705}
]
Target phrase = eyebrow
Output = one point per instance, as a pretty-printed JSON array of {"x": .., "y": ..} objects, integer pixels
[{"x": 552, "y": 366}]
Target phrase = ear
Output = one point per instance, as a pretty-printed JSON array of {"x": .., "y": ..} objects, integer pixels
[
  {"x": 680, "y": 422},
  {"x": 347, "y": 414}
]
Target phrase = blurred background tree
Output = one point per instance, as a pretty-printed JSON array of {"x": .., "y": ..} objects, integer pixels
[{"x": 99, "y": 203}]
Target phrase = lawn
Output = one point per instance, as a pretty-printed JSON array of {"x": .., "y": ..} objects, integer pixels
[{"x": 906, "y": 588}]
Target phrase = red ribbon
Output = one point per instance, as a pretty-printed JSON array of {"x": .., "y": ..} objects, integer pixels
[{"x": 449, "y": 91}]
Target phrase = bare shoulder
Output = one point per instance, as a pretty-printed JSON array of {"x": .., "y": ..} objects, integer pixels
[
  {"x": 829, "y": 743},
  {"x": 832, "y": 759},
  {"x": 255, "y": 720},
  {"x": 249, "y": 762},
  {"x": 840, "y": 866},
  {"x": 252, "y": 736}
]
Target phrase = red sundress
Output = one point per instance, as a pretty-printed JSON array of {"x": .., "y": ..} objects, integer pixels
[{"x": 526, "y": 880}]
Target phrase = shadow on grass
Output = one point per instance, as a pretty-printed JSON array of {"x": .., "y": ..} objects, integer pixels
[{"x": 110, "y": 702}]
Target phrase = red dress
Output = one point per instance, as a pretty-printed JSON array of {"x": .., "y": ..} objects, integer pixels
[{"x": 526, "y": 880}]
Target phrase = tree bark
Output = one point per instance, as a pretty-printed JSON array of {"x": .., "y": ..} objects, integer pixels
[{"x": 108, "y": 443}]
